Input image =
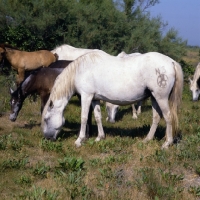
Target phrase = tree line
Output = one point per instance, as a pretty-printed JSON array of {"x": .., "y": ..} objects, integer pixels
[{"x": 109, "y": 25}]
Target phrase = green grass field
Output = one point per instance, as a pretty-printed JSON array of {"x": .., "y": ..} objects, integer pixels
[{"x": 119, "y": 167}]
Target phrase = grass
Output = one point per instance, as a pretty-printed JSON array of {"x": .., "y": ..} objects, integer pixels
[
  {"x": 119, "y": 167},
  {"x": 192, "y": 56}
]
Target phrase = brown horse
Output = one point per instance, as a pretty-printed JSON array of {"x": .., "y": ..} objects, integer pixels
[{"x": 22, "y": 61}]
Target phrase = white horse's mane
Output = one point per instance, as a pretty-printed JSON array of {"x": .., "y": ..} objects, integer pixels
[{"x": 64, "y": 84}]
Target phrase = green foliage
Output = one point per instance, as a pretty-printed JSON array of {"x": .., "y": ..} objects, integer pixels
[
  {"x": 48, "y": 145},
  {"x": 14, "y": 163},
  {"x": 172, "y": 45},
  {"x": 24, "y": 180},
  {"x": 195, "y": 190},
  {"x": 32, "y": 25},
  {"x": 71, "y": 164},
  {"x": 167, "y": 189},
  {"x": 41, "y": 170},
  {"x": 188, "y": 69},
  {"x": 39, "y": 193}
]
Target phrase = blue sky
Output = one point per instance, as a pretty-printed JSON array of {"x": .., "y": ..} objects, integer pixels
[{"x": 183, "y": 15}]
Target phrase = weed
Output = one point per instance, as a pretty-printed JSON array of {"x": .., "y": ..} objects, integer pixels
[
  {"x": 156, "y": 185},
  {"x": 14, "y": 163},
  {"x": 3, "y": 142},
  {"x": 24, "y": 180},
  {"x": 48, "y": 145},
  {"x": 195, "y": 190},
  {"x": 41, "y": 170},
  {"x": 71, "y": 164},
  {"x": 39, "y": 193}
]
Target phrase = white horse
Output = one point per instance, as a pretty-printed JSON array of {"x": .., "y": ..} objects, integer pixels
[
  {"x": 100, "y": 76},
  {"x": 67, "y": 52},
  {"x": 112, "y": 108},
  {"x": 195, "y": 84}
]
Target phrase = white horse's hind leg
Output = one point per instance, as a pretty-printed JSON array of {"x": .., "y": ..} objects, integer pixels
[
  {"x": 156, "y": 120},
  {"x": 164, "y": 106},
  {"x": 139, "y": 107},
  {"x": 98, "y": 117},
  {"x": 85, "y": 106},
  {"x": 161, "y": 108}
]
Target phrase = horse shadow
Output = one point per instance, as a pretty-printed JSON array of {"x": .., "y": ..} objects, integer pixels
[
  {"x": 128, "y": 110},
  {"x": 140, "y": 132}
]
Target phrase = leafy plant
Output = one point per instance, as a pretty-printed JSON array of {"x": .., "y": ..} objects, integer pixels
[
  {"x": 47, "y": 145},
  {"x": 41, "y": 170},
  {"x": 71, "y": 164},
  {"x": 14, "y": 163}
]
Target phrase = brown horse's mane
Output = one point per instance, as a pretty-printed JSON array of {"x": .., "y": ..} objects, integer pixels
[{"x": 4, "y": 45}]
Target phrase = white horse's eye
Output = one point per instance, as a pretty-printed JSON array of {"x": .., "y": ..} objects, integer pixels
[{"x": 51, "y": 104}]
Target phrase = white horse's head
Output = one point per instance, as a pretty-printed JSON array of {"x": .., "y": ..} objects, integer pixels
[
  {"x": 195, "y": 89},
  {"x": 195, "y": 83},
  {"x": 52, "y": 118}
]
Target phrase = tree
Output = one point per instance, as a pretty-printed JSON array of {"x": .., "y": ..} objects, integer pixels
[{"x": 110, "y": 25}]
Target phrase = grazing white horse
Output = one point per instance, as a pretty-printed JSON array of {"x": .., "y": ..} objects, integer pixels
[
  {"x": 112, "y": 108},
  {"x": 67, "y": 52},
  {"x": 100, "y": 76},
  {"x": 195, "y": 84}
]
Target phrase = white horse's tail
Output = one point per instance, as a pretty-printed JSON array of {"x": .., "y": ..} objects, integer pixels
[{"x": 176, "y": 97}]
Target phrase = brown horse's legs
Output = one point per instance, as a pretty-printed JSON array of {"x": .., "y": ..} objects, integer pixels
[{"x": 20, "y": 76}]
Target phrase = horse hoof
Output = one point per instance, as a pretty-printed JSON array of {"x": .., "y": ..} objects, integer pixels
[
  {"x": 134, "y": 117},
  {"x": 78, "y": 143},
  {"x": 97, "y": 139},
  {"x": 165, "y": 146}
]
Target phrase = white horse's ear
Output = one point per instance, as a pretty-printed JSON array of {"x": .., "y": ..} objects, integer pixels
[{"x": 11, "y": 90}]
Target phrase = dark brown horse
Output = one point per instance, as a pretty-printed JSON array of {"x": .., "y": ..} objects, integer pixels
[
  {"x": 22, "y": 61},
  {"x": 40, "y": 82}
]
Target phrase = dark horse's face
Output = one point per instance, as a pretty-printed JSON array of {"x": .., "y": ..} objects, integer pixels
[
  {"x": 2, "y": 54},
  {"x": 15, "y": 103}
]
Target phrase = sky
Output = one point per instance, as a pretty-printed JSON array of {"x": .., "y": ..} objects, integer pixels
[{"x": 183, "y": 16}]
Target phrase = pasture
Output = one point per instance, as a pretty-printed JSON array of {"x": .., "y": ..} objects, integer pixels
[{"x": 119, "y": 167}]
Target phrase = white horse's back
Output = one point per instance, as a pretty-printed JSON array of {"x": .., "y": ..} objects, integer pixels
[
  {"x": 124, "y": 55},
  {"x": 67, "y": 52},
  {"x": 111, "y": 77}
]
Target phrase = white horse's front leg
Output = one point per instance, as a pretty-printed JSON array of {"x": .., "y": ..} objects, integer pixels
[
  {"x": 85, "y": 105},
  {"x": 98, "y": 117}
]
